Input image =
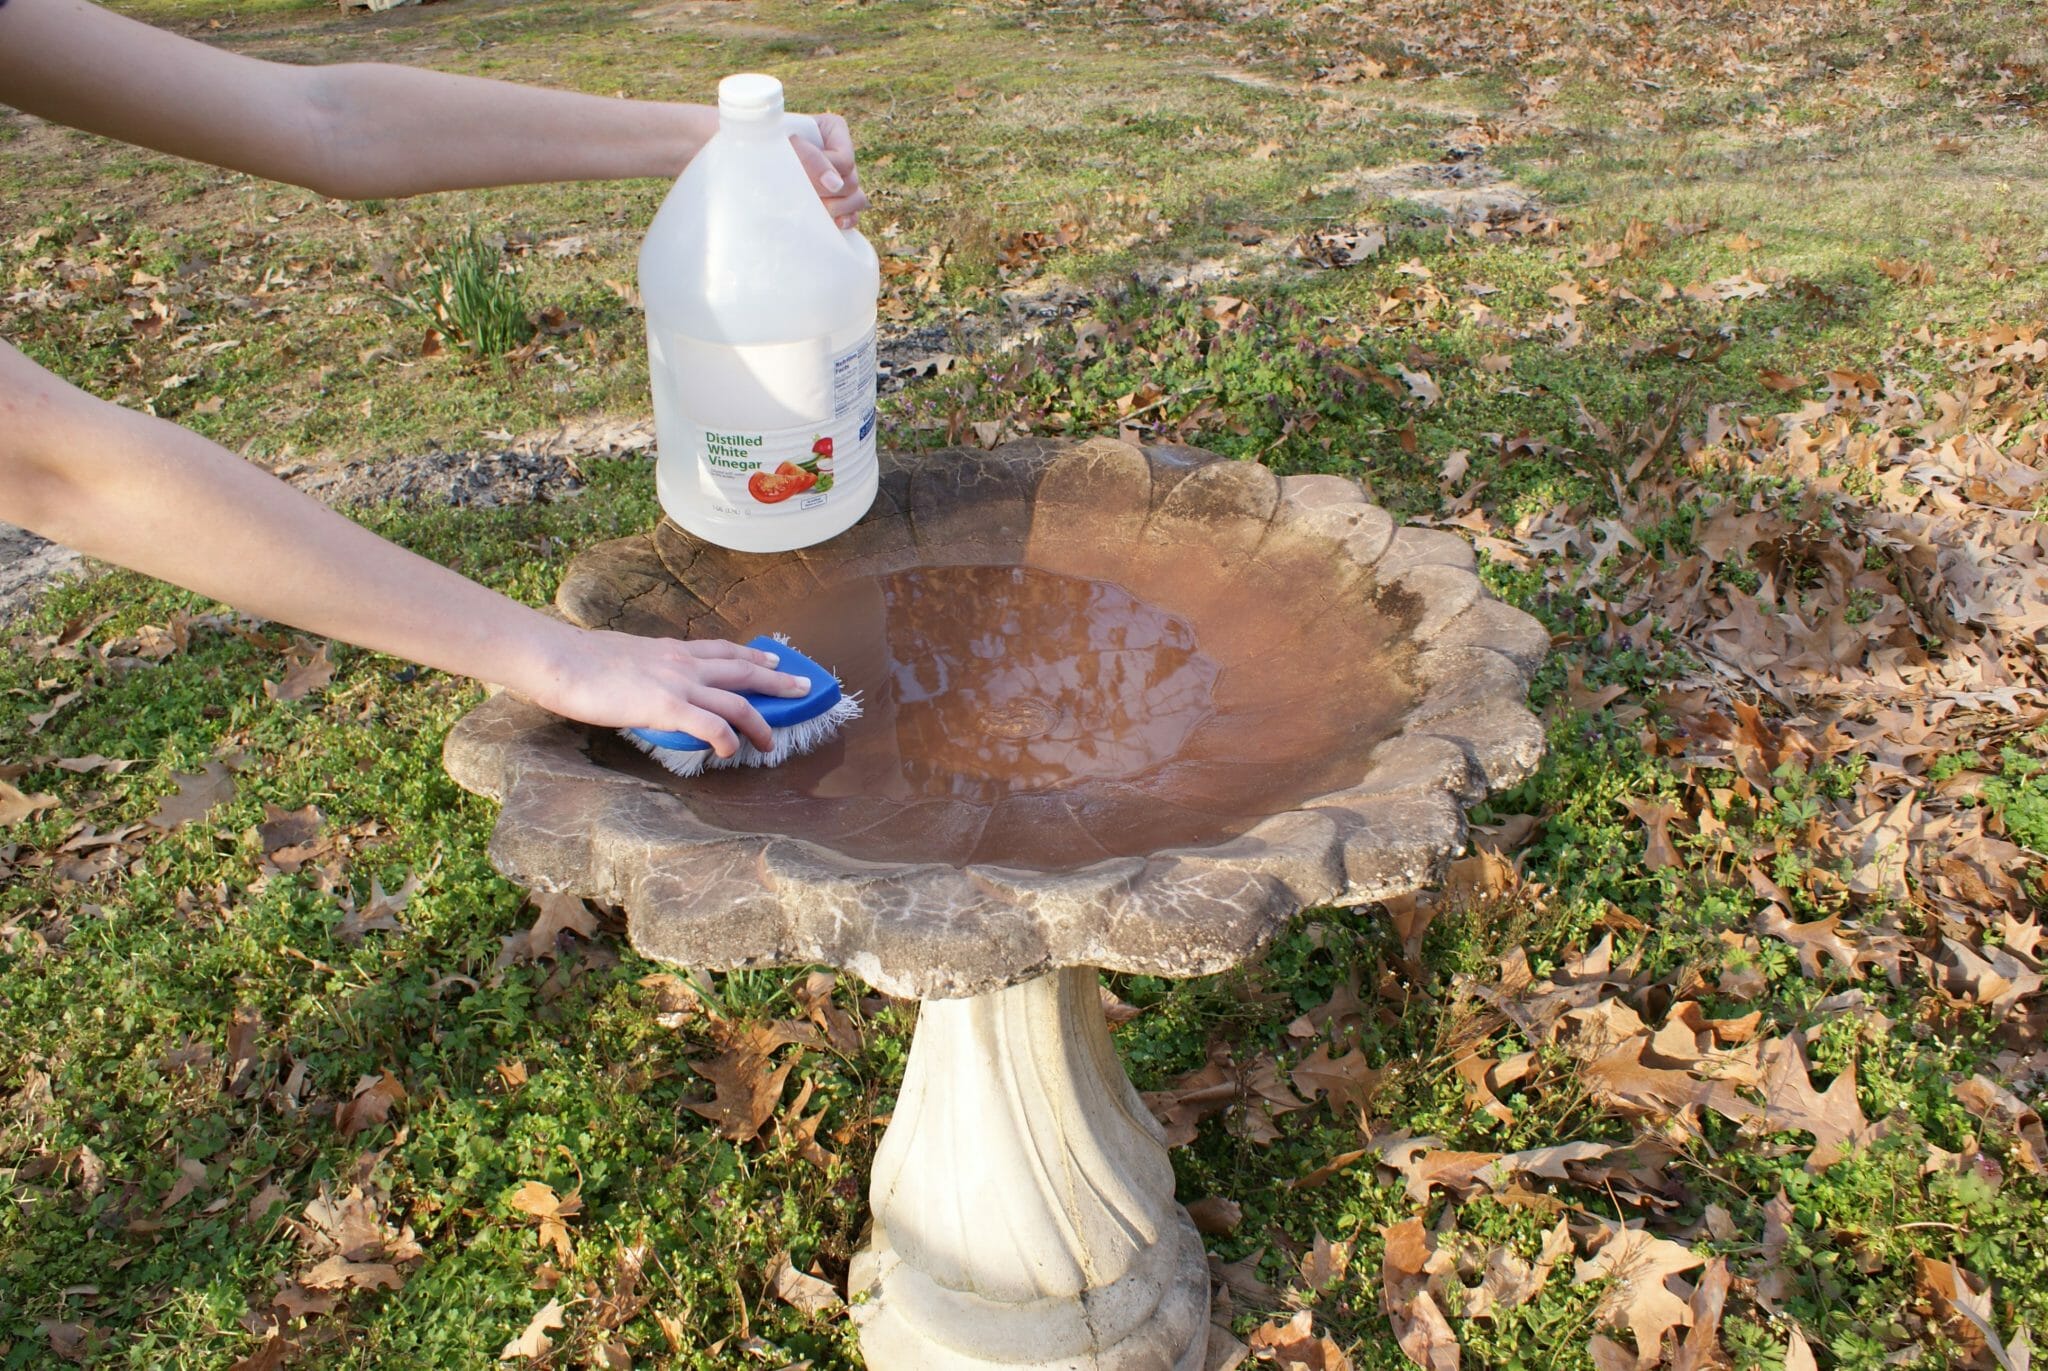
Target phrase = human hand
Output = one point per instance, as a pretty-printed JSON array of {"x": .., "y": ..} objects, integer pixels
[
  {"x": 832, "y": 170},
  {"x": 620, "y": 680}
]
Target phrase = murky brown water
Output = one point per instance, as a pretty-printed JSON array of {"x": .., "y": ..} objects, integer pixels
[{"x": 1019, "y": 718}]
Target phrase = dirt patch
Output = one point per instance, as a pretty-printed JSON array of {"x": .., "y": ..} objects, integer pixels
[
  {"x": 1465, "y": 189},
  {"x": 27, "y": 565}
]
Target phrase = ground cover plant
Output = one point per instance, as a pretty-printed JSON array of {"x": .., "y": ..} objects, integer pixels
[{"x": 1718, "y": 328}]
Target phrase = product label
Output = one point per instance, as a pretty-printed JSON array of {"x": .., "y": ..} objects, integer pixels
[{"x": 748, "y": 473}]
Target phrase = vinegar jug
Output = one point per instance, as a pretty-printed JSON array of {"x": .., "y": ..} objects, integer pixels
[{"x": 760, "y": 339}]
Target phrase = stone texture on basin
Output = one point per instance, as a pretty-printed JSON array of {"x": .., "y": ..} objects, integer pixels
[{"x": 1353, "y": 689}]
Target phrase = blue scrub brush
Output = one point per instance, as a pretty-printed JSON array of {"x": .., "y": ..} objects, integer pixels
[{"x": 798, "y": 725}]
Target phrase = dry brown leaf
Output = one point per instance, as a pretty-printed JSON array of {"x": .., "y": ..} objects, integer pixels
[
  {"x": 557, "y": 914},
  {"x": 1349, "y": 1082},
  {"x": 1656, "y": 819},
  {"x": 1294, "y": 1346},
  {"x": 199, "y": 793},
  {"x": 191, "y": 1175},
  {"x": 1410, "y": 1268},
  {"x": 285, "y": 828},
  {"x": 793, "y": 1287},
  {"x": 73, "y": 1342},
  {"x": 307, "y": 668},
  {"x": 380, "y": 915},
  {"x": 747, "y": 1089},
  {"x": 1341, "y": 247},
  {"x": 814, "y": 993},
  {"x": 2010, "y": 1116},
  {"x": 534, "y": 1341},
  {"x": 1325, "y": 1263},
  {"x": 36, "y": 722},
  {"x": 15, "y": 806},
  {"x": 339, "y": 1273},
  {"x": 553, "y": 1211},
  {"x": 1640, "y": 1299},
  {"x": 369, "y": 1105},
  {"x": 93, "y": 762},
  {"x": 1792, "y": 1104},
  {"x": 1206, "y": 1091},
  {"x": 1699, "y": 1349},
  {"x": 1216, "y": 1216}
]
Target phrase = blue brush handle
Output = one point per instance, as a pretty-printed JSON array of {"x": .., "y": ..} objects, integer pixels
[{"x": 780, "y": 711}]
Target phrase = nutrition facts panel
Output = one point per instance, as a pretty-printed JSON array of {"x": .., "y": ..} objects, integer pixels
[{"x": 853, "y": 378}]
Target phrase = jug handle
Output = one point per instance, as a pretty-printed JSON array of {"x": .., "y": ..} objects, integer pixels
[{"x": 795, "y": 126}]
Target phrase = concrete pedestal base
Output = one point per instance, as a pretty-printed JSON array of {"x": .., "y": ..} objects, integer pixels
[{"x": 1023, "y": 1201}]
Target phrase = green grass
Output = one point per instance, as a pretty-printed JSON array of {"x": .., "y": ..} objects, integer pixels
[{"x": 278, "y": 324}]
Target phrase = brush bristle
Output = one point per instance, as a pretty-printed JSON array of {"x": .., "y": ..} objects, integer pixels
[{"x": 793, "y": 741}]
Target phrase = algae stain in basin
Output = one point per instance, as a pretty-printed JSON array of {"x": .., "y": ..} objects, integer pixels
[{"x": 1016, "y": 717}]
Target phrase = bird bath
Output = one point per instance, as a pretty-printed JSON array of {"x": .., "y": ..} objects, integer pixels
[{"x": 1126, "y": 708}]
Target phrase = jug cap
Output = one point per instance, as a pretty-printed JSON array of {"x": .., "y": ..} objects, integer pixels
[{"x": 750, "y": 95}]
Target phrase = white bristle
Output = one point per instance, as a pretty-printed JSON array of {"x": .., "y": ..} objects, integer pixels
[{"x": 793, "y": 741}]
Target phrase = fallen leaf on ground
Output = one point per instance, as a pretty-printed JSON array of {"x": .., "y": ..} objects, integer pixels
[
  {"x": 534, "y": 1341},
  {"x": 93, "y": 762},
  {"x": 1791, "y": 1103},
  {"x": 1325, "y": 1263},
  {"x": 1411, "y": 1269},
  {"x": 307, "y": 669},
  {"x": 339, "y": 1273},
  {"x": 285, "y": 828},
  {"x": 554, "y": 1212},
  {"x": 1640, "y": 1298},
  {"x": 793, "y": 1287},
  {"x": 1216, "y": 1216},
  {"x": 1294, "y": 1346},
  {"x": 15, "y": 806},
  {"x": 199, "y": 793},
  {"x": 380, "y": 915},
  {"x": 370, "y": 1105},
  {"x": 556, "y": 915},
  {"x": 747, "y": 1090}
]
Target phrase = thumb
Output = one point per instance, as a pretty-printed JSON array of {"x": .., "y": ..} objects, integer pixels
[{"x": 819, "y": 167}]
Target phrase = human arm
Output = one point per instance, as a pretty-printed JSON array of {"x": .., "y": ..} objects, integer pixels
[
  {"x": 149, "y": 495},
  {"x": 354, "y": 130}
]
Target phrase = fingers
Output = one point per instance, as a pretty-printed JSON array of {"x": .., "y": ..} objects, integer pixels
[
  {"x": 746, "y": 675},
  {"x": 838, "y": 143},
  {"x": 726, "y": 708},
  {"x": 826, "y": 177},
  {"x": 712, "y": 649},
  {"x": 702, "y": 723},
  {"x": 832, "y": 170}
]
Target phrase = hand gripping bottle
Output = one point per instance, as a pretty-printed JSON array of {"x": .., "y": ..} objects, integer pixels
[{"x": 760, "y": 339}]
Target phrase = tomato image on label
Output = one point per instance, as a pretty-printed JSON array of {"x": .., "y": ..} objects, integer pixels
[{"x": 773, "y": 487}]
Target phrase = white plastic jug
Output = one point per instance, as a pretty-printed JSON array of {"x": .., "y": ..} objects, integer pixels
[{"x": 760, "y": 339}]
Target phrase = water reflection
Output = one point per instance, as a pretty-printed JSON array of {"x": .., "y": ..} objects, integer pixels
[{"x": 1021, "y": 718}]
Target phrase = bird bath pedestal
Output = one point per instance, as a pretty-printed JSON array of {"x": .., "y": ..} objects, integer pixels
[{"x": 1126, "y": 708}]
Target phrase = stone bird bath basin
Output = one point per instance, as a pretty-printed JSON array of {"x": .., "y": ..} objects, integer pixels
[{"x": 1126, "y": 708}]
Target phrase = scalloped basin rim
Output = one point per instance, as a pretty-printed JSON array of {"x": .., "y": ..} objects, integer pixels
[{"x": 1024, "y": 620}]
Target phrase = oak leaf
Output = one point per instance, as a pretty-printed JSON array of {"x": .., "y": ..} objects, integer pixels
[
  {"x": 1349, "y": 1081},
  {"x": 369, "y": 1105},
  {"x": 534, "y": 1341},
  {"x": 307, "y": 669},
  {"x": 1294, "y": 1346},
  {"x": 804, "y": 1292},
  {"x": 198, "y": 794},
  {"x": 554, "y": 1212},
  {"x": 1640, "y": 1298},
  {"x": 1216, "y": 1216},
  {"x": 16, "y": 806},
  {"x": 1412, "y": 1270},
  {"x": 1791, "y": 1104}
]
